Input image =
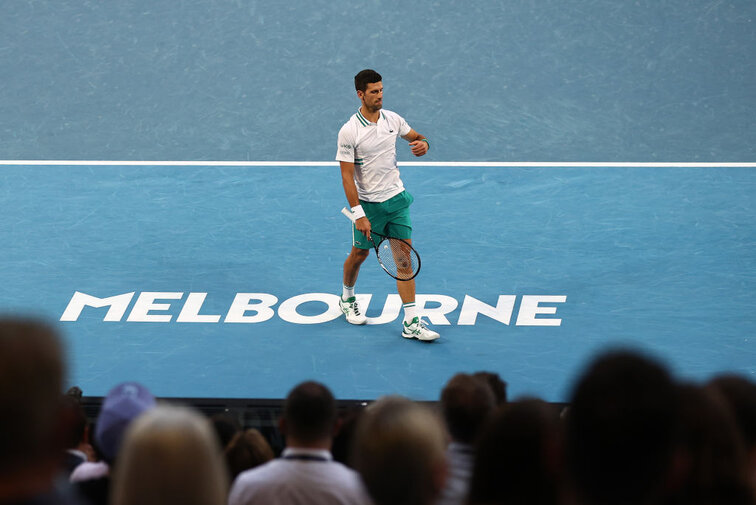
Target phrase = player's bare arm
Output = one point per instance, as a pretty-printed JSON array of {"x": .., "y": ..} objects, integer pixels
[
  {"x": 350, "y": 190},
  {"x": 418, "y": 143}
]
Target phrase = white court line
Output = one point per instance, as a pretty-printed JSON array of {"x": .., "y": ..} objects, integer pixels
[{"x": 485, "y": 164}]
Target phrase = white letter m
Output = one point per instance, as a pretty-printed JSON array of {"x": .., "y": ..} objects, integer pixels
[{"x": 118, "y": 305}]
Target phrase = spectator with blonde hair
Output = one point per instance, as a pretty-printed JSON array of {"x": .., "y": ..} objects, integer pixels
[
  {"x": 170, "y": 455},
  {"x": 400, "y": 452}
]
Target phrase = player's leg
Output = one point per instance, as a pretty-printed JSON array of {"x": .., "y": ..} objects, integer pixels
[
  {"x": 412, "y": 326},
  {"x": 348, "y": 299},
  {"x": 361, "y": 247},
  {"x": 403, "y": 259},
  {"x": 352, "y": 265},
  {"x": 399, "y": 225},
  {"x": 406, "y": 290}
]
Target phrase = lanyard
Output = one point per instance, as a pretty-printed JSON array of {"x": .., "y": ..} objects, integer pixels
[{"x": 306, "y": 457}]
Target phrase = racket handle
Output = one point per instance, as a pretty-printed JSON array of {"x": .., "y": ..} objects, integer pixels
[{"x": 348, "y": 213}]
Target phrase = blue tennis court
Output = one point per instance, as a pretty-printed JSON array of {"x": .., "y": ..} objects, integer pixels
[{"x": 208, "y": 279}]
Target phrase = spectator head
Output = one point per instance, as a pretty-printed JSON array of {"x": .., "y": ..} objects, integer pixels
[
  {"x": 247, "y": 450},
  {"x": 712, "y": 459},
  {"x": 518, "y": 456},
  {"x": 466, "y": 403},
  {"x": 121, "y": 406},
  {"x": 309, "y": 415},
  {"x": 31, "y": 381},
  {"x": 75, "y": 420},
  {"x": 170, "y": 455},
  {"x": 344, "y": 438},
  {"x": 620, "y": 429},
  {"x": 75, "y": 392},
  {"x": 399, "y": 450},
  {"x": 740, "y": 394},
  {"x": 498, "y": 386},
  {"x": 226, "y": 428}
]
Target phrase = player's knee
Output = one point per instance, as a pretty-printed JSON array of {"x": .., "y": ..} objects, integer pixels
[{"x": 360, "y": 255}]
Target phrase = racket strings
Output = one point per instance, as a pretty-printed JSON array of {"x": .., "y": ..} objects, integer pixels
[{"x": 398, "y": 258}]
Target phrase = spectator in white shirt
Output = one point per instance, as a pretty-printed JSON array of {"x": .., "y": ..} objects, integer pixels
[{"x": 306, "y": 472}]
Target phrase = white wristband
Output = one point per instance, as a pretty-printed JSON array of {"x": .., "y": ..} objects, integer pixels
[{"x": 358, "y": 212}]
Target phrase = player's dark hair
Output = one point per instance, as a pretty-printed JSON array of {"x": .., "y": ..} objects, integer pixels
[
  {"x": 310, "y": 412},
  {"x": 366, "y": 77}
]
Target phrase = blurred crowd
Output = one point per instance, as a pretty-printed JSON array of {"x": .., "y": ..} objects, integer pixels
[{"x": 631, "y": 434}]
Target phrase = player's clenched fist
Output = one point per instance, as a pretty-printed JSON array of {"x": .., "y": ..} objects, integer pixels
[{"x": 419, "y": 147}]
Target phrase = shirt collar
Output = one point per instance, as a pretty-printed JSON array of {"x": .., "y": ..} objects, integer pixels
[
  {"x": 318, "y": 453},
  {"x": 365, "y": 122}
]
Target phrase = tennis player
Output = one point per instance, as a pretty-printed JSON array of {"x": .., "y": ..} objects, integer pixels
[{"x": 367, "y": 155}]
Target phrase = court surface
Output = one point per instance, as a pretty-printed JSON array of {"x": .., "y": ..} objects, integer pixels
[{"x": 219, "y": 280}]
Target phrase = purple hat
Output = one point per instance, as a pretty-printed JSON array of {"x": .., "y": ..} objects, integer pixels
[{"x": 124, "y": 403}]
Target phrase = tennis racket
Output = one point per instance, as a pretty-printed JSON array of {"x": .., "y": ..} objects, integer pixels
[{"x": 396, "y": 256}]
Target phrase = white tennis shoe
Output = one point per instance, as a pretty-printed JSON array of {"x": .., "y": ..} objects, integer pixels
[
  {"x": 352, "y": 311},
  {"x": 417, "y": 329}
]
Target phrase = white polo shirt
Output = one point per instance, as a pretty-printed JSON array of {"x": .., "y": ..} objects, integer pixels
[
  {"x": 299, "y": 477},
  {"x": 372, "y": 149}
]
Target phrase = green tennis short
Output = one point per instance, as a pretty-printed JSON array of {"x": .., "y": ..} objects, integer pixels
[{"x": 390, "y": 218}]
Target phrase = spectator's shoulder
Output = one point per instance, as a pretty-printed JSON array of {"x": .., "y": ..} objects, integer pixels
[
  {"x": 250, "y": 482},
  {"x": 258, "y": 473}
]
